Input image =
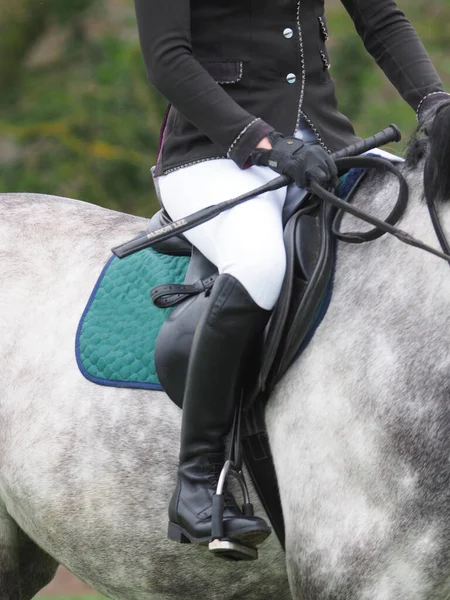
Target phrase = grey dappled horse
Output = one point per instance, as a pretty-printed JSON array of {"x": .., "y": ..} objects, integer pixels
[{"x": 359, "y": 427}]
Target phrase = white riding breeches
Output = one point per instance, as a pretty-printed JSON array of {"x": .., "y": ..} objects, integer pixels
[{"x": 245, "y": 241}]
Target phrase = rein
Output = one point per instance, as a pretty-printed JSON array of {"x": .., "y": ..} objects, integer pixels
[
  {"x": 391, "y": 133},
  {"x": 439, "y": 230},
  {"x": 387, "y": 226},
  {"x": 366, "y": 162}
]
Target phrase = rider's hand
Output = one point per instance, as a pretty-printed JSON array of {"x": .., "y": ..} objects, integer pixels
[{"x": 302, "y": 163}]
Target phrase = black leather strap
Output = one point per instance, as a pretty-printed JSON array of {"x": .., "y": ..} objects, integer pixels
[
  {"x": 168, "y": 295},
  {"x": 367, "y": 162},
  {"x": 438, "y": 226},
  {"x": 259, "y": 462}
]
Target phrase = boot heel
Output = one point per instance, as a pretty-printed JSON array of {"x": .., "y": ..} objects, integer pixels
[{"x": 175, "y": 534}]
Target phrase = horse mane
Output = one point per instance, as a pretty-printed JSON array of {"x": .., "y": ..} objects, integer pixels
[
  {"x": 437, "y": 167},
  {"x": 416, "y": 150}
]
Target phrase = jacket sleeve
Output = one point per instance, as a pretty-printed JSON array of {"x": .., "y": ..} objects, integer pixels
[
  {"x": 164, "y": 31},
  {"x": 396, "y": 47}
]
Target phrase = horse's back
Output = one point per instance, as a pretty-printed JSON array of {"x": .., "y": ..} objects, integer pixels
[{"x": 29, "y": 222}]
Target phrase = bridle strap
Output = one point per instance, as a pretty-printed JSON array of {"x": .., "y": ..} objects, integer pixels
[{"x": 438, "y": 226}]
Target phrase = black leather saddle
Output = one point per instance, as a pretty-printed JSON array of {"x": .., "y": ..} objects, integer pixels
[{"x": 303, "y": 299}]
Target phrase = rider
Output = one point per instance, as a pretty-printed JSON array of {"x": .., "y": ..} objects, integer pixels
[{"x": 250, "y": 97}]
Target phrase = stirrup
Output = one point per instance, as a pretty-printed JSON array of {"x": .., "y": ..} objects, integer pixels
[
  {"x": 221, "y": 546},
  {"x": 231, "y": 550}
]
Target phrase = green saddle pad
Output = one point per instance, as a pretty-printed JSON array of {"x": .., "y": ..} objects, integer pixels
[{"x": 115, "y": 342}]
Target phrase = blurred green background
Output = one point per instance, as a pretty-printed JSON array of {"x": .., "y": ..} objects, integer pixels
[{"x": 78, "y": 118}]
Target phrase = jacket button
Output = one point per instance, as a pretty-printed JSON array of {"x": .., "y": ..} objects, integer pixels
[
  {"x": 291, "y": 78},
  {"x": 288, "y": 33}
]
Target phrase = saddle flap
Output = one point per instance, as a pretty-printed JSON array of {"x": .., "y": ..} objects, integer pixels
[
  {"x": 306, "y": 246},
  {"x": 310, "y": 260},
  {"x": 173, "y": 344}
]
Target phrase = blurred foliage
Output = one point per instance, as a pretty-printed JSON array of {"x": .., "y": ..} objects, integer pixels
[{"x": 78, "y": 118}]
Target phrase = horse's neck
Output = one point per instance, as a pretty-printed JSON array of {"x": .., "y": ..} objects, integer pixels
[{"x": 378, "y": 198}]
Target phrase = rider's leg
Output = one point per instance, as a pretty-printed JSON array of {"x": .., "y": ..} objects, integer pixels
[{"x": 246, "y": 243}]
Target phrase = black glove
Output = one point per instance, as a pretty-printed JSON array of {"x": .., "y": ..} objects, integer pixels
[{"x": 302, "y": 163}]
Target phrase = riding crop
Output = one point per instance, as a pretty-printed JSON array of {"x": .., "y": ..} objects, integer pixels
[{"x": 390, "y": 134}]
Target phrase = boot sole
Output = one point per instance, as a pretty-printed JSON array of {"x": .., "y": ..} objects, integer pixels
[{"x": 251, "y": 538}]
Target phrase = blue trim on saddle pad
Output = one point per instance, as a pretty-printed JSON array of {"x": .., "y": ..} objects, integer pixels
[
  {"x": 115, "y": 340},
  {"x": 347, "y": 181}
]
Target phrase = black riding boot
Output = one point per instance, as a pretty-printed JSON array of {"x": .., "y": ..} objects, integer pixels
[{"x": 230, "y": 323}]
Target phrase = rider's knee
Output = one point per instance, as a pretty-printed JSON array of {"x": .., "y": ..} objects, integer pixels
[{"x": 262, "y": 274}]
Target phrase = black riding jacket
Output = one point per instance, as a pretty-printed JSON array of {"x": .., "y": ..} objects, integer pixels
[{"x": 233, "y": 70}]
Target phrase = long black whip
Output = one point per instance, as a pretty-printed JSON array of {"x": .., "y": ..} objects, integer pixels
[{"x": 390, "y": 134}]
